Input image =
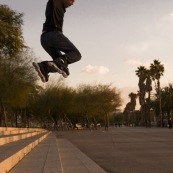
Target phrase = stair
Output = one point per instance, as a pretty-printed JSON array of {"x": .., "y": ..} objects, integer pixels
[
  {"x": 16, "y": 143},
  {"x": 43, "y": 159}
]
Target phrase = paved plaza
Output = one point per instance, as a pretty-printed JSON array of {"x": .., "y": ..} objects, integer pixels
[{"x": 126, "y": 149}]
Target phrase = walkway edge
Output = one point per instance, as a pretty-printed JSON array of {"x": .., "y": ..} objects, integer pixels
[{"x": 73, "y": 160}]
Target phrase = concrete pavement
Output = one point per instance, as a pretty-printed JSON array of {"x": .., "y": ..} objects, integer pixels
[
  {"x": 120, "y": 150},
  {"x": 127, "y": 149},
  {"x": 56, "y": 156}
]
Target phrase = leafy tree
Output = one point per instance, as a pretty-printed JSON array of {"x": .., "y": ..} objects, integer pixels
[
  {"x": 167, "y": 100},
  {"x": 97, "y": 100},
  {"x": 85, "y": 102},
  {"x": 54, "y": 103},
  {"x": 17, "y": 81},
  {"x": 109, "y": 101},
  {"x": 11, "y": 39},
  {"x": 16, "y": 76}
]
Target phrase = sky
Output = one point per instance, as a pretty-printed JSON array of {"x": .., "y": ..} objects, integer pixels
[{"x": 114, "y": 37}]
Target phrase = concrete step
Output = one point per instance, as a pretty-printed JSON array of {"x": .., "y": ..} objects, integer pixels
[
  {"x": 5, "y": 139},
  {"x": 38, "y": 161},
  {"x": 11, "y": 131},
  {"x": 7, "y": 128},
  {"x": 56, "y": 155},
  {"x": 12, "y": 153}
]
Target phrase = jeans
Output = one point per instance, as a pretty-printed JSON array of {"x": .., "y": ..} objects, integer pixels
[{"x": 54, "y": 43}]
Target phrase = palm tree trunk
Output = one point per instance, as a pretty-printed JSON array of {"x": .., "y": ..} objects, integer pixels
[{"x": 160, "y": 105}]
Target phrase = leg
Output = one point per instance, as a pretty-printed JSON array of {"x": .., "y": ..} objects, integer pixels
[
  {"x": 55, "y": 42},
  {"x": 42, "y": 69}
]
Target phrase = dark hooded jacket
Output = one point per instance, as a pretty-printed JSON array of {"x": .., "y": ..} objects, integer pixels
[{"x": 54, "y": 16}]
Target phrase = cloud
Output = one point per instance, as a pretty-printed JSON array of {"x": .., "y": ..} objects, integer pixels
[
  {"x": 140, "y": 47},
  {"x": 165, "y": 25},
  {"x": 89, "y": 69},
  {"x": 136, "y": 63},
  {"x": 168, "y": 17}
]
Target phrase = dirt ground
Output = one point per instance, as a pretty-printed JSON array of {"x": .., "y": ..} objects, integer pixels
[{"x": 126, "y": 149}]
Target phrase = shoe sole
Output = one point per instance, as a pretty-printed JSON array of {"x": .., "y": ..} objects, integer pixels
[
  {"x": 55, "y": 68},
  {"x": 37, "y": 69}
]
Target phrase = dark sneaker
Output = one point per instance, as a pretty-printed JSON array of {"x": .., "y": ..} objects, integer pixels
[
  {"x": 41, "y": 71},
  {"x": 59, "y": 66}
]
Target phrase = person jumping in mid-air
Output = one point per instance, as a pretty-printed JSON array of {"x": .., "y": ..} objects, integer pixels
[{"x": 59, "y": 47}]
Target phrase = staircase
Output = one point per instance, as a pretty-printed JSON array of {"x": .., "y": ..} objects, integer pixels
[{"x": 16, "y": 143}]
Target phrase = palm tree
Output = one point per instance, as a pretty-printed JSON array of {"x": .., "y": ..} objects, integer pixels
[
  {"x": 141, "y": 72},
  {"x": 157, "y": 70},
  {"x": 130, "y": 108},
  {"x": 133, "y": 97},
  {"x": 148, "y": 83}
]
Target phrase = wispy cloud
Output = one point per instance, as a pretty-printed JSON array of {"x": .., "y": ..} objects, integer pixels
[
  {"x": 168, "y": 17},
  {"x": 89, "y": 69},
  {"x": 165, "y": 25},
  {"x": 141, "y": 47},
  {"x": 137, "y": 63},
  {"x": 171, "y": 15}
]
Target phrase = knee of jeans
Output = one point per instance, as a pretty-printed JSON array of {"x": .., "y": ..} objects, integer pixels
[{"x": 79, "y": 56}]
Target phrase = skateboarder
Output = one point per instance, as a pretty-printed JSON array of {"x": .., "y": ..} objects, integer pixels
[{"x": 55, "y": 43}]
